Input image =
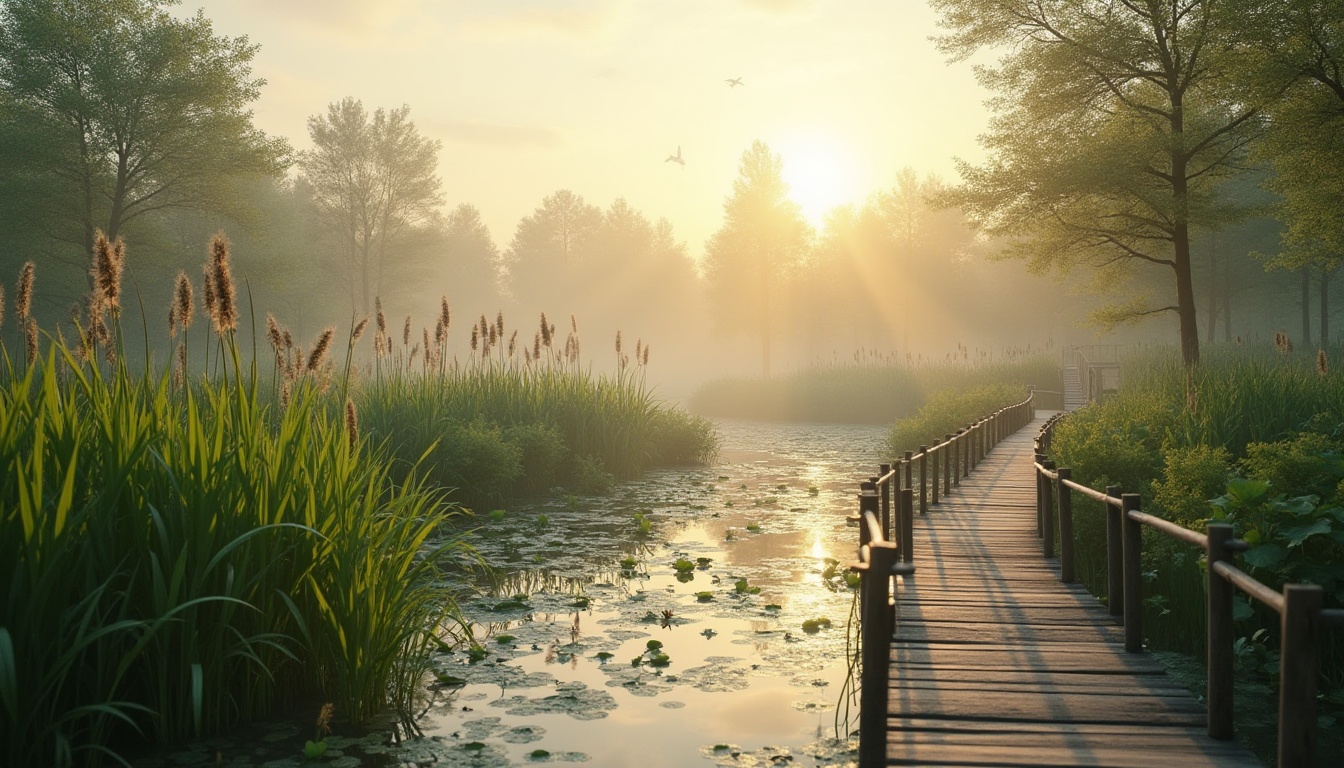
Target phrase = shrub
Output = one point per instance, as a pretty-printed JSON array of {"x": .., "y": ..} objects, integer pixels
[{"x": 1192, "y": 475}]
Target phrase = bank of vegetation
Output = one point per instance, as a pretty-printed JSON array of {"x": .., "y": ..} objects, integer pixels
[
  {"x": 874, "y": 389},
  {"x": 190, "y": 546},
  {"x": 1253, "y": 438}
]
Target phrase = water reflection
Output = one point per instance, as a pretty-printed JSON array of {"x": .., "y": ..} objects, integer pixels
[{"x": 581, "y": 600}]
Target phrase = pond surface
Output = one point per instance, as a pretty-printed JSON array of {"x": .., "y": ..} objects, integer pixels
[{"x": 593, "y": 648}]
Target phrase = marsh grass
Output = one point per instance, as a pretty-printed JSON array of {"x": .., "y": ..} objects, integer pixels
[
  {"x": 181, "y": 555},
  {"x": 868, "y": 390},
  {"x": 1178, "y": 440}
]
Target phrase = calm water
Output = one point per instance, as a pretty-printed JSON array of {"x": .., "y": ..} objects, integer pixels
[{"x": 563, "y": 621}]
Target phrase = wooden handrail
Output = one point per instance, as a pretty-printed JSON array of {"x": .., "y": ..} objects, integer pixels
[
  {"x": 1300, "y": 606},
  {"x": 880, "y": 557}
]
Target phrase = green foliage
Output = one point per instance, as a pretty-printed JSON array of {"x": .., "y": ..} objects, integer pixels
[
  {"x": 1308, "y": 464},
  {"x": 1293, "y": 539},
  {"x": 947, "y": 411},
  {"x": 1192, "y": 475}
]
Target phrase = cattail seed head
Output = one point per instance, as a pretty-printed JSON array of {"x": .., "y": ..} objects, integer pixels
[
  {"x": 645, "y": 359},
  {"x": 185, "y": 305},
  {"x": 320, "y": 348},
  {"x": 499, "y": 323},
  {"x": 445, "y": 316},
  {"x": 618, "y": 344},
  {"x": 1322, "y": 363},
  {"x": 359, "y": 330},
  {"x": 545, "y": 331},
  {"x": 172, "y": 321},
  {"x": 209, "y": 296},
  {"x": 378, "y": 312},
  {"x": 30, "y": 340},
  {"x": 513, "y": 343},
  {"x": 536, "y": 346},
  {"x": 351, "y": 422},
  {"x": 108, "y": 260},
  {"x": 226, "y": 307},
  {"x": 475, "y": 341},
  {"x": 406, "y": 332},
  {"x": 180, "y": 370},
  {"x": 23, "y": 300}
]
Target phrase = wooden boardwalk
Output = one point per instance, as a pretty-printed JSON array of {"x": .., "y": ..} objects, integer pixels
[{"x": 995, "y": 662}]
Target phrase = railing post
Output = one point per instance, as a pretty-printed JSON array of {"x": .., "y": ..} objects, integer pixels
[
  {"x": 923, "y": 479},
  {"x": 1115, "y": 574},
  {"x": 909, "y": 469},
  {"x": 907, "y": 525},
  {"x": 948, "y": 461},
  {"x": 867, "y": 503},
  {"x": 1220, "y": 635},
  {"x": 965, "y": 451},
  {"x": 877, "y": 630},
  {"x": 1048, "y": 532},
  {"x": 1299, "y": 663},
  {"x": 957, "y": 452},
  {"x": 937, "y": 457},
  {"x": 1133, "y": 549},
  {"x": 882, "y": 470},
  {"x": 1040, "y": 494},
  {"x": 1066, "y": 564}
]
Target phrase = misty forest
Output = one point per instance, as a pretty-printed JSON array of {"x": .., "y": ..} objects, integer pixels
[{"x": 517, "y": 414}]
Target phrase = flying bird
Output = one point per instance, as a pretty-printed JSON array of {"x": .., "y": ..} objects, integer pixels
[
  {"x": 676, "y": 158},
  {"x": 733, "y": 82}
]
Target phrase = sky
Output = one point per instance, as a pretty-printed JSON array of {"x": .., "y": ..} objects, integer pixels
[{"x": 532, "y": 96}]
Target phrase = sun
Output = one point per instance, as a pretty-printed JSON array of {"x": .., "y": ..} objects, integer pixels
[{"x": 820, "y": 173}]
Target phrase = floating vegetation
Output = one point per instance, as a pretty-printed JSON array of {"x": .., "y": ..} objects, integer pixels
[
  {"x": 497, "y": 515},
  {"x": 628, "y": 563},
  {"x": 754, "y": 527},
  {"x": 571, "y": 698},
  {"x": 816, "y": 625},
  {"x": 504, "y": 639},
  {"x": 682, "y": 565},
  {"x": 703, "y": 562},
  {"x": 743, "y": 588},
  {"x": 704, "y": 597}
]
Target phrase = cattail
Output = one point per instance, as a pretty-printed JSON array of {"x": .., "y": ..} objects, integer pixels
[
  {"x": 359, "y": 330},
  {"x": 180, "y": 370},
  {"x": 474, "y": 340},
  {"x": 513, "y": 343},
  {"x": 493, "y": 337},
  {"x": 499, "y": 323},
  {"x": 226, "y": 308},
  {"x": 172, "y": 321},
  {"x": 545, "y": 331},
  {"x": 414, "y": 351},
  {"x": 378, "y": 312},
  {"x": 645, "y": 360},
  {"x": 445, "y": 316},
  {"x": 184, "y": 304},
  {"x": 106, "y": 270},
  {"x": 324, "y": 714},
  {"x": 23, "y": 301},
  {"x": 618, "y": 344},
  {"x": 406, "y": 332},
  {"x": 30, "y": 339},
  {"x": 351, "y": 422},
  {"x": 573, "y": 323},
  {"x": 1322, "y": 363},
  {"x": 389, "y": 346},
  {"x": 319, "y": 354},
  {"x": 208, "y": 288}
]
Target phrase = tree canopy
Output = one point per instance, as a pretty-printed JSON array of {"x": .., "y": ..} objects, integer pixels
[
  {"x": 1114, "y": 123},
  {"x": 374, "y": 182},
  {"x": 115, "y": 109},
  {"x": 763, "y": 238}
]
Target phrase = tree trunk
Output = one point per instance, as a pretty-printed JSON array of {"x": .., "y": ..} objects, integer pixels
[
  {"x": 1325, "y": 308},
  {"x": 1306, "y": 307},
  {"x": 1227, "y": 304},
  {"x": 1185, "y": 286},
  {"x": 1213, "y": 286}
]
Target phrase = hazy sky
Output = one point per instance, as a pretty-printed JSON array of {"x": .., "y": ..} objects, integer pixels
[{"x": 531, "y": 96}]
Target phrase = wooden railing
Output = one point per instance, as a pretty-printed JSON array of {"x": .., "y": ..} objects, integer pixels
[
  {"x": 886, "y": 548},
  {"x": 1302, "y": 616}
]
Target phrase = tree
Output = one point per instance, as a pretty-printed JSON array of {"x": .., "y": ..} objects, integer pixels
[
  {"x": 114, "y": 109},
  {"x": 763, "y": 237},
  {"x": 471, "y": 255},
  {"x": 1115, "y": 121},
  {"x": 374, "y": 183},
  {"x": 548, "y": 247}
]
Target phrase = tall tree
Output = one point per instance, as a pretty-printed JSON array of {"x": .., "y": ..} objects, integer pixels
[
  {"x": 763, "y": 238},
  {"x": 1299, "y": 53},
  {"x": 374, "y": 182},
  {"x": 1115, "y": 121},
  {"x": 115, "y": 109},
  {"x": 548, "y": 247},
  {"x": 471, "y": 256}
]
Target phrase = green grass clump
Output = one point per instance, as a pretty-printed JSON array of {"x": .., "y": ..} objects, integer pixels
[
  {"x": 186, "y": 558},
  {"x": 949, "y": 410}
]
